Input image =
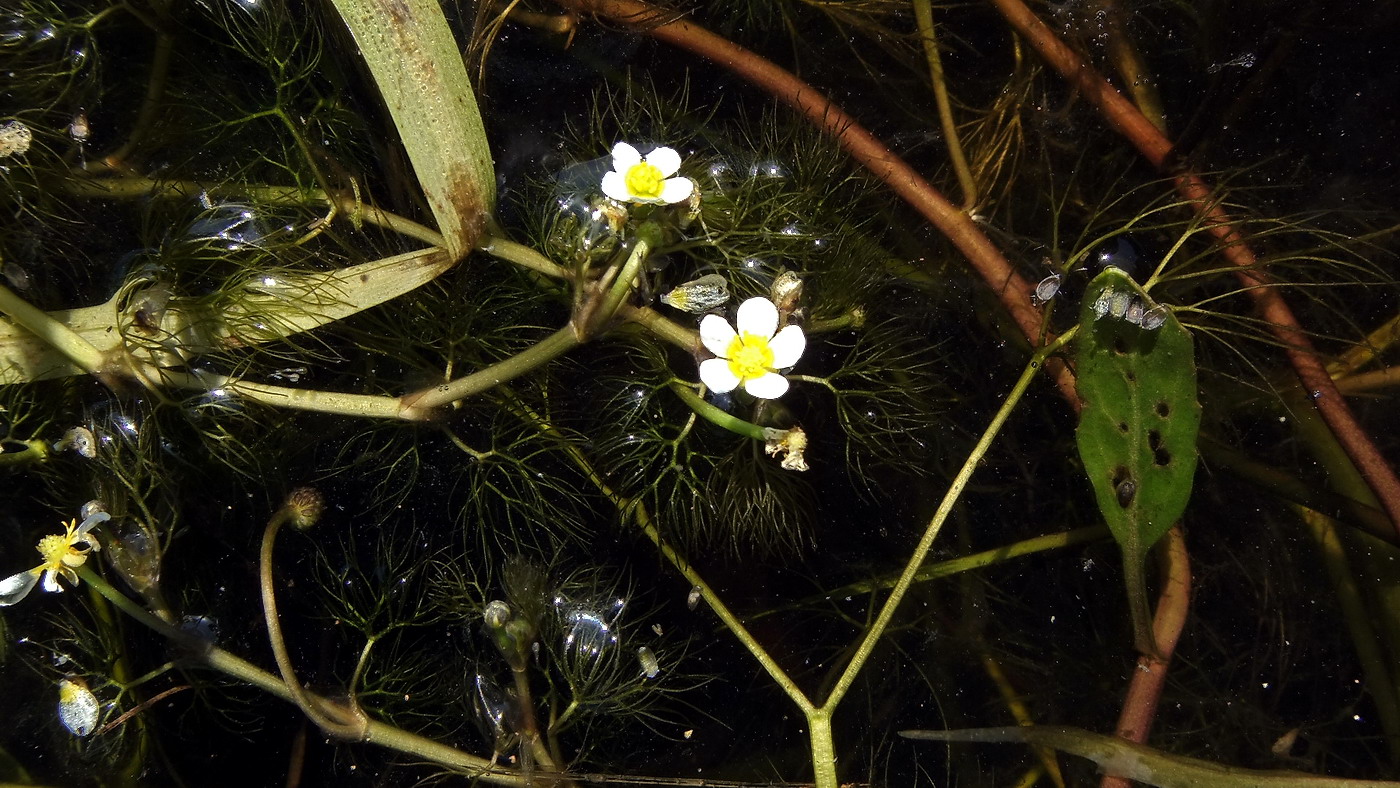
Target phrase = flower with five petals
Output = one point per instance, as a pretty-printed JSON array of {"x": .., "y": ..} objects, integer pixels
[
  {"x": 62, "y": 554},
  {"x": 646, "y": 179},
  {"x": 751, "y": 355}
]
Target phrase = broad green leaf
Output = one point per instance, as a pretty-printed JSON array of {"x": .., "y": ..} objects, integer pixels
[{"x": 1138, "y": 427}]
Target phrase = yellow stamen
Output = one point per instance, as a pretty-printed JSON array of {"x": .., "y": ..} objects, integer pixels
[
  {"x": 749, "y": 356},
  {"x": 53, "y": 548},
  {"x": 645, "y": 181}
]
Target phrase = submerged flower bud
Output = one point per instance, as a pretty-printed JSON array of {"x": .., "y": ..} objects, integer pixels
[
  {"x": 77, "y": 706},
  {"x": 304, "y": 507},
  {"x": 511, "y": 633}
]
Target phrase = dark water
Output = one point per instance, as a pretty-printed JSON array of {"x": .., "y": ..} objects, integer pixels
[{"x": 501, "y": 554}]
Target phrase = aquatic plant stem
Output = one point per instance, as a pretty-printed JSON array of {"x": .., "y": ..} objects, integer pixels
[
  {"x": 1016, "y": 704},
  {"x": 968, "y": 563},
  {"x": 594, "y": 320},
  {"x": 1145, "y": 687},
  {"x": 419, "y": 404},
  {"x": 1144, "y": 764},
  {"x": 533, "y": 749},
  {"x": 719, "y": 418},
  {"x": 377, "y": 733},
  {"x": 1129, "y": 63},
  {"x": 150, "y": 104},
  {"x": 136, "y": 187},
  {"x": 57, "y": 335},
  {"x": 687, "y": 339},
  {"x": 521, "y": 255},
  {"x": 945, "y": 508},
  {"x": 1154, "y": 146},
  {"x": 928, "y": 33},
  {"x": 1366, "y": 351},
  {"x": 639, "y": 515},
  {"x": 1010, "y": 288},
  {"x": 341, "y": 722},
  {"x": 1362, "y": 622}
]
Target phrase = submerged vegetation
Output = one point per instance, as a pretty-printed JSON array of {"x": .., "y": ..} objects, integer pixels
[{"x": 564, "y": 393}]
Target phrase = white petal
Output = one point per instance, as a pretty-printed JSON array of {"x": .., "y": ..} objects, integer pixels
[
  {"x": 768, "y": 386},
  {"x": 624, "y": 157},
  {"x": 716, "y": 374},
  {"x": 787, "y": 346},
  {"x": 676, "y": 190},
  {"x": 615, "y": 186},
  {"x": 17, "y": 587},
  {"x": 758, "y": 316},
  {"x": 51, "y": 581},
  {"x": 93, "y": 519},
  {"x": 716, "y": 334},
  {"x": 666, "y": 160}
]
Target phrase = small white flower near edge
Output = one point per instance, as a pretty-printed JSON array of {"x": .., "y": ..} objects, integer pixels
[
  {"x": 752, "y": 355},
  {"x": 63, "y": 554},
  {"x": 646, "y": 179}
]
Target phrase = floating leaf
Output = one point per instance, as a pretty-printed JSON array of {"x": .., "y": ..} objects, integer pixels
[{"x": 1137, "y": 430}]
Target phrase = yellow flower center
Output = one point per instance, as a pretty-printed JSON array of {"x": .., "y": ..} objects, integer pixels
[
  {"x": 749, "y": 356},
  {"x": 53, "y": 548},
  {"x": 645, "y": 181}
]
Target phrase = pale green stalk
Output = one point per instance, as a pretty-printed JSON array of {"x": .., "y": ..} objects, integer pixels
[
  {"x": 819, "y": 717},
  {"x": 53, "y": 333},
  {"x": 1123, "y": 758},
  {"x": 687, "y": 339},
  {"x": 923, "y": 16},
  {"x": 521, "y": 255},
  {"x": 621, "y": 287},
  {"x": 135, "y": 186},
  {"x": 719, "y": 418},
  {"x": 967, "y": 563},
  {"x": 419, "y": 404},
  {"x": 376, "y": 732},
  {"x": 819, "y": 720}
]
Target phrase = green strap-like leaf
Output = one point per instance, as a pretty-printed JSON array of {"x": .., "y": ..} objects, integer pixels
[
  {"x": 1137, "y": 431},
  {"x": 418, "y": 67}
]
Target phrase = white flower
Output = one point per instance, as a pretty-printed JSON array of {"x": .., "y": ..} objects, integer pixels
[
  {"x": 751, "y": 356},
  {"x": 62, "y": 554},
  {"x": 646, "y": 179}
]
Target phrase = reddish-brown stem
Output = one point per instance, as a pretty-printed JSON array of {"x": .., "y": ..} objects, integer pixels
[
  {"x": 1124, "y": 117},
  {"x": 1011, "y": 288},
  {"x": 1145, "y": 688}
]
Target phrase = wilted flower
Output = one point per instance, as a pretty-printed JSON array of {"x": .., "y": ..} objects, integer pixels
[
  {"x": 789, "y": 446},
  {"x": 62, "y": 554},
  {"x": 646, "y": 179},
  {"x": 752, "y": 355}
]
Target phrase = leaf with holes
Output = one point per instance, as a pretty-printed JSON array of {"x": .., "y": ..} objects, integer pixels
[{"x": 1137, "y": 430}]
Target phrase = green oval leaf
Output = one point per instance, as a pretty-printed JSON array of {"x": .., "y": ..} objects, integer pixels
[{"x": 1139, "y": 423}]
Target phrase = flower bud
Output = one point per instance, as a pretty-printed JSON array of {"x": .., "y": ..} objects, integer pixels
[{"x": 304, "y": 507}]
